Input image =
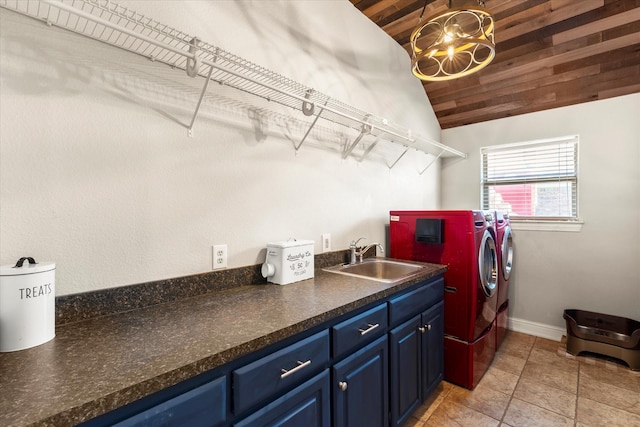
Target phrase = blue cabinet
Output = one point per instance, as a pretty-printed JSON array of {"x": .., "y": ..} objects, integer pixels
[
  {"x": 361, "y": 388},
  {"x": 432, "y": 348},
  {"x": 405, "y": 344},
  {"x": 416, "y": 351},
  {"x": 307, "y": 405},
  {"x": 369, "y": 368}
]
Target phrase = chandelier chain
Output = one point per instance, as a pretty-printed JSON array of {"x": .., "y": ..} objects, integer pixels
[
  {"x": 480, "y": 3},
  {"x": 423, "y": 9}
]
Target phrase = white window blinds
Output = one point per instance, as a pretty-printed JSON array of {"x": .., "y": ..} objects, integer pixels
[{"x": 533, "y": 180}]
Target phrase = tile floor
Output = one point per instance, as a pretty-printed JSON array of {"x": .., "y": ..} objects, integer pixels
[{"x": 534, "y": 382}]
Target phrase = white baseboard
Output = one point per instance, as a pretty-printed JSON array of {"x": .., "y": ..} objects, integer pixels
[{"x": 536, "y": 329}]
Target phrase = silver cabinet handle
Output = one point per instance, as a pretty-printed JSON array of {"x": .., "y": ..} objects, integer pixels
[
  {"x": 301, "y": 365},
  {"x": 342, "y": 385},
  {"x": 424, "y": 329},
  {"x": 369, "y": 329}
]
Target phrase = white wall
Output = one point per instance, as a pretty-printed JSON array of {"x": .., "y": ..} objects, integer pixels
[
  {"x": 97, "y": 172},
  {"x": 598, "y": 268}
]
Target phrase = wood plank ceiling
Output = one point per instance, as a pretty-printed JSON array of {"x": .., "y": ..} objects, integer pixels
[{"x": 549, "y": 53}]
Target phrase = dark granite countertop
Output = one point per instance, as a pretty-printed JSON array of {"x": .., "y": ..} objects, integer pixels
[{"x": 94, "y": 366}]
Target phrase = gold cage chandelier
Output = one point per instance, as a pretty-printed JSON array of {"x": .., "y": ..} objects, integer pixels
[{"x": 453, "y": 44}]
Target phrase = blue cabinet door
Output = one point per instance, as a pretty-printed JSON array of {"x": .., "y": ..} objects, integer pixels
[
  {"x": 432, "y": 348},
  {"x": 361, "y": 387},
  {"x": 405, "y": 370},
  {"x": 305, "y": 406}
]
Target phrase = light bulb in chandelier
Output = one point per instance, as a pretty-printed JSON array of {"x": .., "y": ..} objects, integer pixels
[
  {"x": 450, "y": 52},
  {"x": 453, "y": 44},
  {"x": 454, "y": 31}
]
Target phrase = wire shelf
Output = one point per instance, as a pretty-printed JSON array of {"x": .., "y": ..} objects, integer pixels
[{"x": 121, "y": 27}]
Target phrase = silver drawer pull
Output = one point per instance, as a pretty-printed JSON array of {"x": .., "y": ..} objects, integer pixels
[
  {"x": 369, "y": 329},
  {"x": 425, "y": 328},
  {"x": 342, "y": 385},
  {"x": 301, "y": 365}
]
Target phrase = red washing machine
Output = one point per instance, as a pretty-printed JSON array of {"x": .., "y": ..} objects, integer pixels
[
  {"x": 504, "y": 243},
  {"x": 464, "y": 241}
]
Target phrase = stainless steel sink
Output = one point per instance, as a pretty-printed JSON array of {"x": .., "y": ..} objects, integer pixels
[{"x": 378, "y": 269}]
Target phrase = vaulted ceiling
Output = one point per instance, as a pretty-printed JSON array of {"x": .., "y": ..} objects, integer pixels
[{"x": 549, "y": 53}]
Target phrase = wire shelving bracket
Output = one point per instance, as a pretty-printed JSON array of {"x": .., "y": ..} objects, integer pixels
[{"x": 108, "y": 22}]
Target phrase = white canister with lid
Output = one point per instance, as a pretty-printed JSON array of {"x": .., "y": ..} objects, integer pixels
[
  {"x": 27, "y": 304},
  {"x": 288, "y": 262}
]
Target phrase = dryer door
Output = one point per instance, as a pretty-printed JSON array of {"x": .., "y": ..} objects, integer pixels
[
  {"x": 488, "y": 264},
  {"x": 507, "y": 253}
]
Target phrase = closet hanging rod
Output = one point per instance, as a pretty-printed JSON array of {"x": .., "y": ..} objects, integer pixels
[
  {"x": 192, "y": 55},
  {"x": 93, "y": 18}
]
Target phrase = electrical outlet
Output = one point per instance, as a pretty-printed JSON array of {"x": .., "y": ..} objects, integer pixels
[
  {"x": 219, "y": 256},
  {"x": 326, "y": 242}
]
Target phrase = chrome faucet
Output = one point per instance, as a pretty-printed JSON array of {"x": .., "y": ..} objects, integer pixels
[{"x": 354, "y": 250}]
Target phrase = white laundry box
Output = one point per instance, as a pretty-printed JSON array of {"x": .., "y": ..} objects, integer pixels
[{"x": 288, "y": 262}]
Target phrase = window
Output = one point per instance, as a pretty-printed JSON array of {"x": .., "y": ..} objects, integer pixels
[{"x": 535, "y": 180}]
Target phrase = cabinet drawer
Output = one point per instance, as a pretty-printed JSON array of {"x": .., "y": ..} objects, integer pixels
[
  {"x": 306, "y": 405},
  {"x": 359, "y": 330},
  {"x": 203, "y": 406},
  {"x": 413, "y": 302},
  {"x": 271, "y": 374}
]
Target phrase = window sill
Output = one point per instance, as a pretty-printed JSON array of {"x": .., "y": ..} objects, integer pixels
[{"x": 568, "y": 226}]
